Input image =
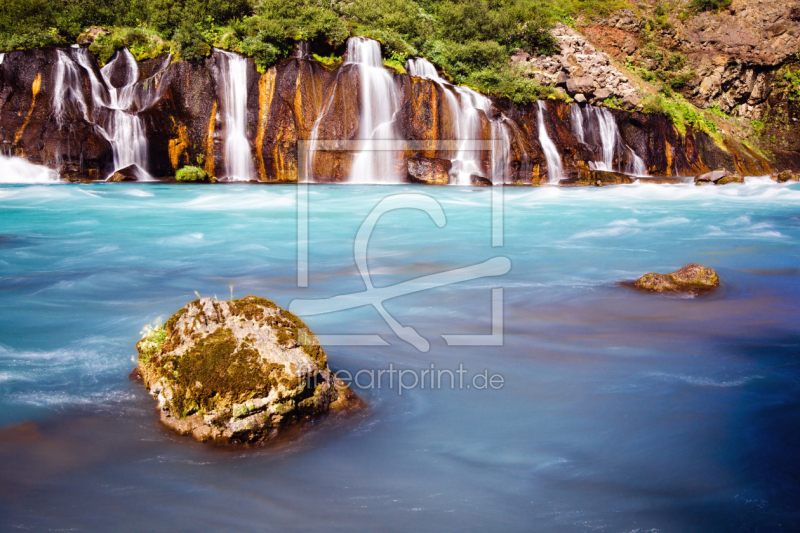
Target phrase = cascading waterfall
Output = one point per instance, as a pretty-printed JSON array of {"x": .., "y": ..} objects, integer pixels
[
  {"x": 2, "y": 57},
  {"x": 238, "y": 159},
  {"x": 554, "y": 169},
  {"x": 466, "y": 106},
  {"x": 379, "y": 104},
  {"x": 124, "y": 125},
  {"x": 113, "y": 110},
  {"x": 595, "y": 126}
]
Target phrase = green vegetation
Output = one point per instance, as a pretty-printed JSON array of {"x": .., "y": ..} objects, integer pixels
[
  {"x": 680, "y": 112},
  {"x": 153, "y": 338},
  {"x": 793, "y": 79},
  {"x": 709, "y": 5},
  {"x": 470, "y": 40},
  {"x": 193, "y": 174}
]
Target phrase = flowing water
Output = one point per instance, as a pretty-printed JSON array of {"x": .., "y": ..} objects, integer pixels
[
  {"x": 466, "y": 108},
  {"x": 377, "y": 121},
  {"x": 596, "y": 127},
  {"x": 238, "y": 160},
  {"x": 620, "y": 411},
  {"x": 554, "y": 169},
  {"x": 113, "y": 109}
]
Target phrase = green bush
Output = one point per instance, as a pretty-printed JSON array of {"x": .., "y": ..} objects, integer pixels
[
  {"x": 710, "y": 5},
  {"x": 142, "y": 42},
  {"x": 189, "y": 173}
]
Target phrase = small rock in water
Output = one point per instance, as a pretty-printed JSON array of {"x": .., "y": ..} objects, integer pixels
[
  {"x": 786, "y": 175},
  {"x": 129, "y": 173},
  {"x": 237, "y": 371},
  {"x": 480, "y": 181},
  {"x": 431, "y": 171},
  {"x": 692, "y": 279},
  {"x": 710, "y": 177}
]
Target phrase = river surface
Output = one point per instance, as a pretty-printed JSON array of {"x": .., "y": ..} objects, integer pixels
[{"x": 619, "y": 411}]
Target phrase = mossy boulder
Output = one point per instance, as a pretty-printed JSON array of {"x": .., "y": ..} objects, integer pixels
[
  {"x": 730, "y": 178},
  {"x": 194, "y": 174},
  {"x": 237, "y": 371},
  {"x": 691, "y": 279},
  {"x": 786, "y": 175}
]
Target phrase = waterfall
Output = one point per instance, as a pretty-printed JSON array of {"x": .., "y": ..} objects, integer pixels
[
  {"x": 379, "y": 104},
  {"x": 466, "y": 107},
  {"x": 597, "y": 127},
  {"x": 238, "y": 159},
  {"x": 2, "y": 57},
  {"x": 422, "y": 68},
  {"x": 302, "y": 50},
  {"x": 113, "y": 110},
  {"x": 554, "y": 169},
  {"x": 128, "y": 139},
  {"x": 67, "y": 88}
]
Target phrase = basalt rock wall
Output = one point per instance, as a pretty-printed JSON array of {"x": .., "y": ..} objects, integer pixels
[{"x": 300, "y": 98}]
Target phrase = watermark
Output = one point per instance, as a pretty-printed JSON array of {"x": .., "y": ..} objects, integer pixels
[
  {"x": 376, "y": 296},
  {"x": 405, "y": 379}
]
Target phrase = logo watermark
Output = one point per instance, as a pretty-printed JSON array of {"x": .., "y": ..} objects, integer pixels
[
  {"x": 376, "y": 296},
  {"x": 405, "y": 379}
]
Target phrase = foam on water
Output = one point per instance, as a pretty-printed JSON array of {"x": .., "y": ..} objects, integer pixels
[{"x": 19, "y": 170}]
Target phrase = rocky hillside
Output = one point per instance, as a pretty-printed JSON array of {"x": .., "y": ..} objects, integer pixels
[{"x": 740, "y": 62}]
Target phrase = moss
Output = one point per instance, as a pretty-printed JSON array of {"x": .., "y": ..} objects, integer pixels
[
  {"x": 193, "y": 174},
  {"x": 169, "y": 325},
  {"x": 216, "y": 365},
  {"x": 251, "y": 307}
]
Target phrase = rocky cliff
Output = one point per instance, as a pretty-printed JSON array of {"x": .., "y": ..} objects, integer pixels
[
  {"x": 58, "y": 109},
  {"x": 741, "y": 61}
]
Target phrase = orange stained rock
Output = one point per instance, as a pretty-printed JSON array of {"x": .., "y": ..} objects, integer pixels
[
  {"x": 266, "y": 92},
  {"x": 37, "y": 84},
  {"x": 209, "y": 166}
]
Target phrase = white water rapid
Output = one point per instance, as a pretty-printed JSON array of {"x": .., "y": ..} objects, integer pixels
[
  {"x": 238, "y": 159},
  {"x": 555, "y": 171},
  {"x": 379, "y": 104}
]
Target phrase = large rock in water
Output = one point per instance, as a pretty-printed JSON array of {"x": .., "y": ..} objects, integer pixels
[
  {"x": 692, "y": 279},
  {"x": 237, "y": 371}
]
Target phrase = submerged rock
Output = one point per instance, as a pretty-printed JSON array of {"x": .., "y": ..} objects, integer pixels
[
  {"x": 692, "y": 279},
  {"x": 237, "y": 371}
]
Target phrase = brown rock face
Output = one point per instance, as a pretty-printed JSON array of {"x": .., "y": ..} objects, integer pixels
[
  {"x": 691, "y": 279},
  {"x": 429, "y": 170},
  {"x": 182, "y": 107}
]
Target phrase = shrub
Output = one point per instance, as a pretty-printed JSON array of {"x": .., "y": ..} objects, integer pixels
[
  {"x": 189, "y": 173},
  {"x": 710, "y": 5},
  {"x": 143, "y": 44}
]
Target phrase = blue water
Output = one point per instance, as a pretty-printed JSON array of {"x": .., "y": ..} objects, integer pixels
[{"x": 620, "y": 411}]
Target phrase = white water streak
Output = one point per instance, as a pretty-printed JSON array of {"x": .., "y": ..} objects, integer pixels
[
  {"x": 379, "y": 105},
  {"x": 554, "y": 169},
  {"x": 238, "y": 159}
]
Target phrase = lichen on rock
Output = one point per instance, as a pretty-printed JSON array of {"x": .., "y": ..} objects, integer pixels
[
  {"x": 237, "y": 371},
  {"x": 691, "y": 279}
]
